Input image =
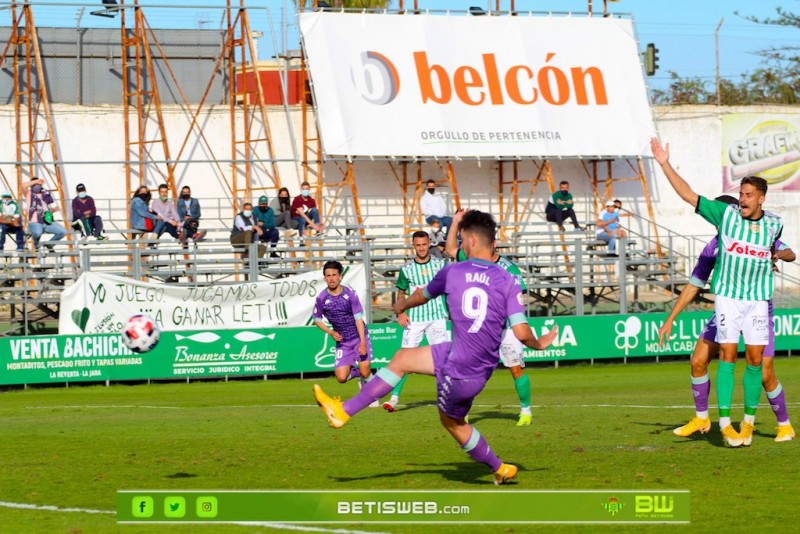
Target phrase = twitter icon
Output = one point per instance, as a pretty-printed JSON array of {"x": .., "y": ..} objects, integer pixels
[{"x": 174, "y": 507}]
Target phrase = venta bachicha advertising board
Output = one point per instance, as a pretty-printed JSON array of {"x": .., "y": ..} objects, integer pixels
[
  {"x": 457, "y": 86},
  {"x": 214, "y": 352}
]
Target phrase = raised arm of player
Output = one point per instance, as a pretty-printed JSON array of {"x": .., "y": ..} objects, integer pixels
[
  {"x": 661, "y": 155},
  {"x": 688, "y": 293},
  {"x": 451, "y": 245}
]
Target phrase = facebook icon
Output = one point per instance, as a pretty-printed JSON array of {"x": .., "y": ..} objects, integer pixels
[{"x": 142, "y": 506}]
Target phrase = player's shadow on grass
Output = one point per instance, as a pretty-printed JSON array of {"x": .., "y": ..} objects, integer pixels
[
  {"x": 415, "y": 405},
  {"x": 475, "y": 417},
  {"x": 713, "y": 437},
  {"x": 464, "y": 472},
  {"x": 180, "y": 474}
]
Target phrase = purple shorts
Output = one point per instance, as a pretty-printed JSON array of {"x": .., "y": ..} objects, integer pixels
[
  {"x": 347, "y": 353},
  {"x": 709, "y": 333},
  {"x": 454, "y": 396}
]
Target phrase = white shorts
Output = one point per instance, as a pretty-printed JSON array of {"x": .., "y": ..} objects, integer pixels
[
  {"x": 436, "y": 332},
  {"x": 512, "y": 351},
  {"x": 749, "y": 318}
]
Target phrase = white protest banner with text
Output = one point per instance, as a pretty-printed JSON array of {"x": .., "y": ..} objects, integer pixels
[
  {"x": 101, "y": 303},
  {"x": 434, "y": 85}
]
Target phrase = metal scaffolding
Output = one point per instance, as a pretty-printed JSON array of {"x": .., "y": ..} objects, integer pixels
[{"x": 37, "y": 151}]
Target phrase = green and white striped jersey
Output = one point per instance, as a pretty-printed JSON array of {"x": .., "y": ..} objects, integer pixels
[
  {"x": 414, "y": 275},
  {"x": 744, "y": 260},
  {"x": 503, "y": 262}
]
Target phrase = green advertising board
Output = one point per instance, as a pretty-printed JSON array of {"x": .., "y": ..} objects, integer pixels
[{"x": 293, "y": 350}]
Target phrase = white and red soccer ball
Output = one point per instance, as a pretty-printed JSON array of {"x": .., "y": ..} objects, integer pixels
[{"x": 140, "y": 333}]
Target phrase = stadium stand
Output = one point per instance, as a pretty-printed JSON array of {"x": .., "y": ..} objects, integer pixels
[{"x": 566, "y": 273}]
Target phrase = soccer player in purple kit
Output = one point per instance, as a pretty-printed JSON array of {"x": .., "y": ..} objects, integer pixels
[
  {"x": 481, "y": 296},
  {"x": 707, "y": 347},
  {"x": 342, "y": 308}
]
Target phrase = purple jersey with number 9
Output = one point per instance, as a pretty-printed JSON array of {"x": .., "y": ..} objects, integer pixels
[{"x": 480, "y": 296}]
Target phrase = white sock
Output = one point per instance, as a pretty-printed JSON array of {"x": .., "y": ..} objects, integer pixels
[
  {"x": 702, "y": 415},
  {"x": 394, "y": 399},
  {"x": 784, "y": 423},
  {"x": 525, "y": 411},
  {"x": 750, "y": 419},
  {"x": 724, "y": 421}
]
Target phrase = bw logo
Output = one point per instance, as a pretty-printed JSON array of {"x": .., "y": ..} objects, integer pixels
[{"x": 376, "y": 78}]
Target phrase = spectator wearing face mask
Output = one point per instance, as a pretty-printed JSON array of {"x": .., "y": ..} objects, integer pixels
[
  {"x": 84, "y": 215},
  {"x": 41, "y": 208},
  {"x": 189, "y": 213},
  {"x": 265, "y": 219},
  {"x": 434, "y": 209},
  {"x": 245, "y": 231},
  {"x": 140, "y": 212},
  {"x": 282, "y": 207},
  {"x": 304, "y": 211},
  {"x": 10, "y": 222},
  {"x": 163, "y": 206}
]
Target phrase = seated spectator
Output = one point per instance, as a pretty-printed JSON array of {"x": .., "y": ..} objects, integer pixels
[
  {"x": 41, "y": 208},
  {"x": 265, "y": 219},
  {"x": 84, "y": 215},
  {"x": 140, "y": 212},
  {"x": 169, "y": 221},
  {"x": 245, "y": 231},
  {"x": 304, "y": 211},
  {"x": 559, "y": 207},
  {"x": 189, "y": 213},
  {"x": 608, "y": 227},
  {"x": 437, "y": 239},
  {"x": 282, "y": 207},
  {"x": 11, "y": 222},
  {"x": 434, "y": 208}
]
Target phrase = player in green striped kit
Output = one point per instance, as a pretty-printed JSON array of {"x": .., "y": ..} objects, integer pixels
[
  {"x": 430, "y": 319},
  {"x": 743, "y": 283},
  {"x": 512, "y": 351}
]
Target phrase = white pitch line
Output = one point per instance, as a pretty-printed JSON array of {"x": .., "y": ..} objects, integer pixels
[
  {"x": 115, "y": 406},
  {"x": 23, "y": 506},
  {"x": 278, "y": 526}
]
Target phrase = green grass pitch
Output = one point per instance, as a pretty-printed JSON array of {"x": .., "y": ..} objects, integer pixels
[{"x": 595, "y": 427}]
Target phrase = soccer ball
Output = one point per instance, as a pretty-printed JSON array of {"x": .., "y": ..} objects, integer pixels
[{"x": 140, "y": 333}]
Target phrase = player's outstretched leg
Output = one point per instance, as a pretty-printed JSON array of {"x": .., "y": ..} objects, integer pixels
[
  {"x": 391, "y": 404},
  {"x": 331, "y": 407},
  {"x": 364, "y": 379},
  {"x": 338, "y": 412},
  {"x": 701, "y": 387},
  {"x": 752, "y": 396}
]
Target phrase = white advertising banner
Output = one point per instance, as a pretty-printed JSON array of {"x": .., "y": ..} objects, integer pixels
[
  {"x": 764, "y": 145},
  {"x": 462, "y": 86},
  {"x": 101, "y": 303}
]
